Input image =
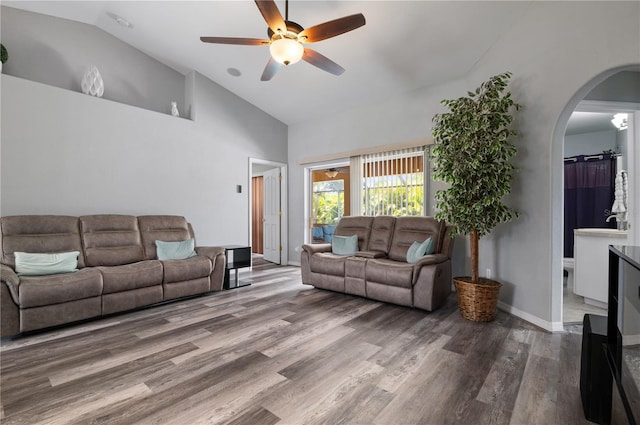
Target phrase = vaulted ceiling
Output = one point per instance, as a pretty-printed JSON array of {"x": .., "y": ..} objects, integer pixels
[{"x": 403, "y": 46}]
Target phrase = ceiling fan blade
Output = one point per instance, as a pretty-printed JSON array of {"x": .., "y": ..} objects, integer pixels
[
  {"x": 332, "y": 28},
  {"x": 322, "y": 62},
  {"x": 236, "y": 40},
  {"x": 270, "y": 70},
  {"x": 272, "y": 15}
]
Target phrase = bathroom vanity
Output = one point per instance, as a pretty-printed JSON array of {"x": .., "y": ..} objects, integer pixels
[{"x": 591, "y": 249}]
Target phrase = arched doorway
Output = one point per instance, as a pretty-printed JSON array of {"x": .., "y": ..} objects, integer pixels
[{"x": 557, "y": 183}]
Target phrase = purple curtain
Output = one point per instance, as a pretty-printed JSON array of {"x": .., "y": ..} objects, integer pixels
[{"x": 588, "y": 195}]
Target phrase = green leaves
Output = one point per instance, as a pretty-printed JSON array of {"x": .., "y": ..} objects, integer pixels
[{"x": 472, "y": 152}]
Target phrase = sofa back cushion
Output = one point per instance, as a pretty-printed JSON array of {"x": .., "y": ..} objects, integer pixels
[
  {"x": 356, "y": 225},
  {"x": 381, "y": 233},
  {"x": 44, "y": 234},
  {"x": 111, "y": 240},
  {"x": 410, "y": 229},
  {"x": 167, "y": 228}
]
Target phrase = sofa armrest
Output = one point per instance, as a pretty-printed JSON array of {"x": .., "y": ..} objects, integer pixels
[
  {"x": 431, "y": 259},
  {"x": 209, "y": 251},
  {"x": 218, "y": 260},
  {"x": 317, "y": 247},
  {"x": 8, "y": 276},
  {"x": 371, "y": 254}
]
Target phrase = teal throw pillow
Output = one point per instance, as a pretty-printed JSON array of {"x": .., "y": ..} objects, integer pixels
[
  {"x": 419, "y": 249},
  {"x": 30, "y": 264},
  {"x": 176, "y": 250},
  {"x": 344, "y": 245}
]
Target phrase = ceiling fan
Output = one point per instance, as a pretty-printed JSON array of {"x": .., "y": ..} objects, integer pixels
[{"x": 286, "y": 39}]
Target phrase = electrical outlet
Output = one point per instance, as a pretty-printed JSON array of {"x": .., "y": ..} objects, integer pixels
[{"x": 488, "y": 273}]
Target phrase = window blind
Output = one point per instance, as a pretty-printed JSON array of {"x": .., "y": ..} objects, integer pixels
[{"x": 393, "y": 182}]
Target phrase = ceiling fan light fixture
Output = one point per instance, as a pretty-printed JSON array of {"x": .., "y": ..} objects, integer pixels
[
  {"x": 285, "y": 39},
  {"x": 286, "y": 50}
]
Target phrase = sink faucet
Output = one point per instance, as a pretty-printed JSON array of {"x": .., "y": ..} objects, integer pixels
[{"x": 620, "y": 220}]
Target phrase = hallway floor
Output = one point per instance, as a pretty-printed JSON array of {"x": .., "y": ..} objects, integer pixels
[{"x": 574, "y": 307}]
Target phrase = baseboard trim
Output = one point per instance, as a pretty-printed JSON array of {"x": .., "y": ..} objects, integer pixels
[
  {"x": 631, "y": 339},
  {"x": 294, "y": 263},
  {"x": 544, "y": 324}
]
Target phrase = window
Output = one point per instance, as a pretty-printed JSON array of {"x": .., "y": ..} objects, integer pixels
[
  {"x": 330, "y": 198},
  {"x": 385, "y": 183},
  {"x": 393, "y": 183},
  {"x": 328, "y": 201}
]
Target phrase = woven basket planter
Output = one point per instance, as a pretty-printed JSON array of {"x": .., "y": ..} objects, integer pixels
[{"x": 477, "y": 301}]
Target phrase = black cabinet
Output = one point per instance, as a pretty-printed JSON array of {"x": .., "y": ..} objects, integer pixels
[
  {"x": 595, "y": 378},
  {"x": 623, "y": 334}
]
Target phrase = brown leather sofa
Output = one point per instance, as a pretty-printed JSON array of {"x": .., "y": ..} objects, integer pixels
[
  {"x": 379, "y": 270},
  {"x": 118, "y": 269}
]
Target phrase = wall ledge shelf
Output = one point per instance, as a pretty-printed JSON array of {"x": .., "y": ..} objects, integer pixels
[{"x": 100, "y": 99}]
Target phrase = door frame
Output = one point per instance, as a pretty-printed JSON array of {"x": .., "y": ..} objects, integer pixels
[
  {"x": 284, "y": 221},
  {"x": 633, "y": 157},
  {"x": 556, "y": 229},
  {"x": 633, "y": 162}
]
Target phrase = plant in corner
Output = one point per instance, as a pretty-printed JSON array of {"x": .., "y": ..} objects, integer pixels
[{"x": 472, "y": 154}]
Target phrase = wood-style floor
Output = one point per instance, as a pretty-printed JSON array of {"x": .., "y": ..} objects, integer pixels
[{"x": 279, "y": 352}]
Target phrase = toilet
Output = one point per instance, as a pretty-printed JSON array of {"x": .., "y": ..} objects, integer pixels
[{"x": 568, "y": 264}]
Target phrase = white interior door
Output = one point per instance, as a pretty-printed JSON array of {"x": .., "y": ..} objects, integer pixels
[{"x": 272, "y": 216}]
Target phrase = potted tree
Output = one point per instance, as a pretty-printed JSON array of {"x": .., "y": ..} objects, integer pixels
[{"x": 472, "y": 153}]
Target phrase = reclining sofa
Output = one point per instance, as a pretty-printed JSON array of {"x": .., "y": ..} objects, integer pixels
[
  {"x": 379, "y": 270},
  {"x": 118, "y": 269}
]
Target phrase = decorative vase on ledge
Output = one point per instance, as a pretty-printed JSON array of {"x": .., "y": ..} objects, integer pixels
[
  {"x": 174, "y": 109},
  {"x": 92, "y": 83}
]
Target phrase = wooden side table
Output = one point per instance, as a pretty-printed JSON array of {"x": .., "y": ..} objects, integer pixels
[{"x": 238, "y": 257}]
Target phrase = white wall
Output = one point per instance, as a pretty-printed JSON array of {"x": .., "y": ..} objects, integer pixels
[
  {"x": 590, "y": 143},
  {"x": 68, "y": 153},
  {"x": 553, "y": 50}
]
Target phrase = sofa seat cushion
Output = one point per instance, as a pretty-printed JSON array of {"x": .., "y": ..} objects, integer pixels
[
  {"x": 327, "y": 263},
  {"x": 38, "y": 291},
  {"x": 187, "y": 269},
  {"x": 131, "y": 276},
  {"x": 389, "y": 272}
]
